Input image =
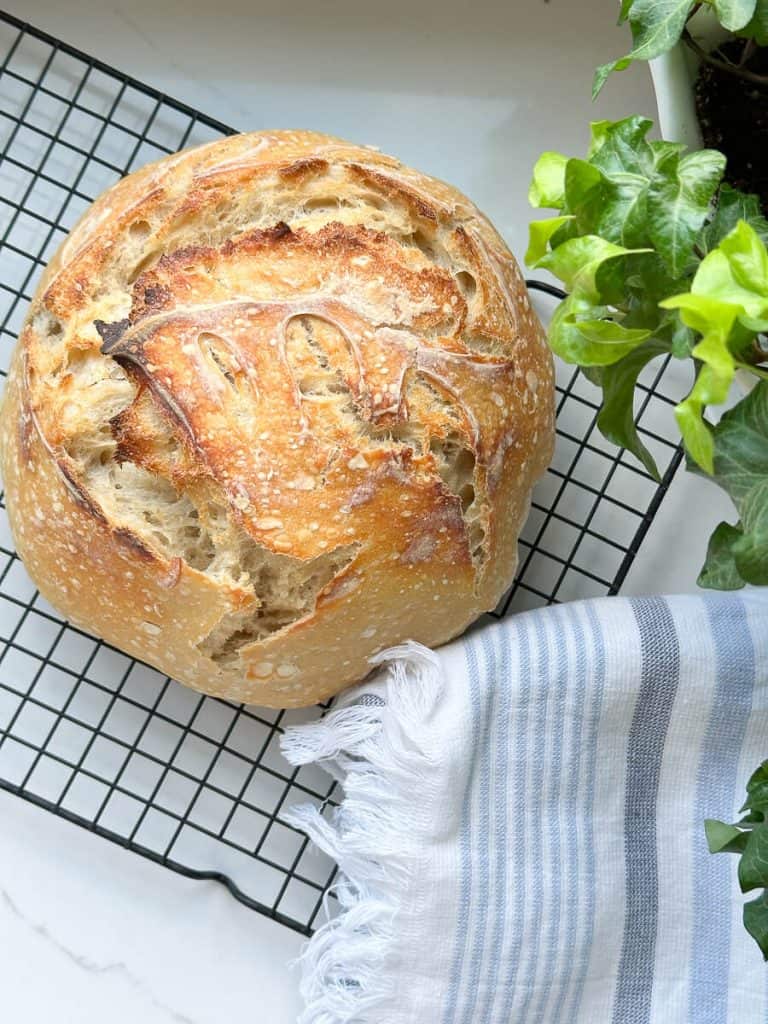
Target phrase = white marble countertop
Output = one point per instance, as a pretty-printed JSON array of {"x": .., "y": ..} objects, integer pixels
[
  {"x": 90, "y": 932},
  {"x": 470, "y": 92}
]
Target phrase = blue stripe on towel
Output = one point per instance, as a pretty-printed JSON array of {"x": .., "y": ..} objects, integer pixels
[
  {"x": 716, "y": 785},
  {"x": 660, "y": 671}
]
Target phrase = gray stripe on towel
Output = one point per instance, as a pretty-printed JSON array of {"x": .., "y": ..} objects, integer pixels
[{"x": 660, "y": 671}]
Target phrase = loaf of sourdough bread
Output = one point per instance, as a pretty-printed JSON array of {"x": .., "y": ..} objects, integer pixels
[{"x": 279, "y": 402}]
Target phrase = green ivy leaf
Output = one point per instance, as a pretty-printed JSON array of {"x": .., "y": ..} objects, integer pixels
[
  {"x": 734, "y": 14},
  {"x": 751, "y": 549},
  {"x": 606, "y": 341},
  {"x": 678, "y": 203},
  {"x": 748, "y": 260},
  {"x": 714, "y": 279},
  {"x": 611, "y": 281},
  {"x": 548, "y": 186},
  {"x": 740, "y": 466},
  {"x": 626, "y": 7},
  {"x": 696, "y": 433},
  {"x": 683, "y": 340},
  {"x": 634, "y": 192},
  {"x": 749, "y": 838},
  {"x": 756, "y": 921},
  {"x": 628, "y": 165},
  {"x": 733, "y": 206},
  {"x": 757, "y": 28},
  {"x": 616, "y": 420},
  {"x": 736, "y": 272},
  {"x": 753, "y": 818},
  {"x": 564, "y": 339},
  {"x": 714, "y": 380},
  {"x": 604, "y": 71},
  {"x": 722, "y": 838},
  {"x": 579, "y": 338},
  {"x": 741, "y": 461},
  {"x": 656, "y": 27},
  {"x": 646, "y": 283},
  {"x": 624, "y": 220},
  {"x": 757, "y": 789},
  {"x": 753, "y": 866},
  {"x": 719, "y": 571},
  {"x": 577, "y": 261},
  {"x": 710, "y": 388},
  {"x": 713, "y": 350},
  {"x": 539, "y": 234},
  {"x": 585, "y": 195},
  {"x": 598, "y": 132},
  {"x": 703, "y": 313},
  {"x": 714, "y": 320},
  {"x": 731, "y": 282},
  {"x": 620, "y": 147}
]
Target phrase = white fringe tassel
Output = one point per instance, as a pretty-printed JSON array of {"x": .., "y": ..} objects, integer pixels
[{"x": 376, "y": 751}]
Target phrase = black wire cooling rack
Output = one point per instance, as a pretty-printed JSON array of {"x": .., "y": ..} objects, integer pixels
[{"x": 106, "y": 742}]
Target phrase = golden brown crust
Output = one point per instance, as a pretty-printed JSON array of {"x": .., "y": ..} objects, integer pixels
[{"x": 281, "y": 402}]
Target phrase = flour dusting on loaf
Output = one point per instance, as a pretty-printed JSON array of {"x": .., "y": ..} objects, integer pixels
[{"x": 279, "y": 403}]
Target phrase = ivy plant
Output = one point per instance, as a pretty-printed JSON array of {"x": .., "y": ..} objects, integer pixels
[
  {"x": 749, "y": 839},
  {"x": 657, "y": 25},
  {"x": 661, "y": 259}
]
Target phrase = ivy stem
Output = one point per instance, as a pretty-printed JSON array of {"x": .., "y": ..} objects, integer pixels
[
  {"x": 694, "y": 11},
  {"x": 722, "y": 65},
  {"x": 757, "y": 353},
  {"x": 758, "y": 371},
  {"x": 749, "y": 48}
]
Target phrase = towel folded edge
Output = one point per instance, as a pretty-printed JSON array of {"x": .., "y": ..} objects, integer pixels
[{"x": 375, "y": 749}]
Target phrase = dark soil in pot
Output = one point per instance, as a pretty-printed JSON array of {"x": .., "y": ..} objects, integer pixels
[{"x": 733, "y": 113}]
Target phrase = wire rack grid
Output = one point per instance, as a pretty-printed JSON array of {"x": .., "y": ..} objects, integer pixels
[{"x": 194, "y": 783}]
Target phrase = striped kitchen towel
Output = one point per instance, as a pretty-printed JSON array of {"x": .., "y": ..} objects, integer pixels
[{"x": 521, "y": 835}]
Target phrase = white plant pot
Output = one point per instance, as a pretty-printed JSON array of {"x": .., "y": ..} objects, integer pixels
[{"x": 673, "y": 76}]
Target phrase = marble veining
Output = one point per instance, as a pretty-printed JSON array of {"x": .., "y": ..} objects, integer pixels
[{"x": 85, "y": 963}]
